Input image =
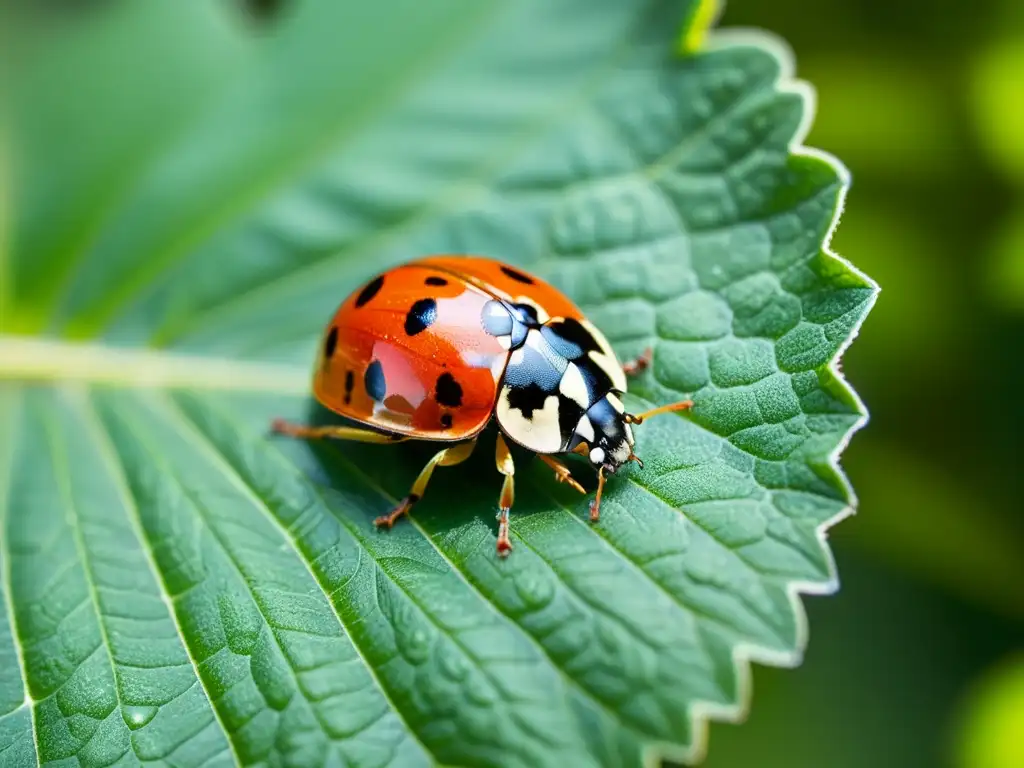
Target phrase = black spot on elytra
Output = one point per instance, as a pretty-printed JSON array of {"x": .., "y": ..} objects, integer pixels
[
  {"x": 446, "y": 420},
  {"x": 372, "y": 289},
  {"x": 527, "y": 399},
  {"x": 331, "y": 342},
  {"x": 515, "y": 274},
  {"x": 374, "y": 382},
  {"x": 350, "y": 383},
  {"x": 434, "y": 280},
  {"x": 421, "y": 316},
  {"x": 447, "y": 391}
]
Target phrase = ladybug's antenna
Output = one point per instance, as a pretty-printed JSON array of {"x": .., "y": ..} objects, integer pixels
[{"x": 639, "y": 418}]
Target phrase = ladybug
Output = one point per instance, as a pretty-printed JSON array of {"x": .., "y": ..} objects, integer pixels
[{"x": 436, "y": 348}]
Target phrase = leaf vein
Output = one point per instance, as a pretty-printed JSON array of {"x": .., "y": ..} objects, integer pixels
[
  {"x": 490, "y": 602},
  {"x": 107, "y": 451},
  {"x": 188, "y": 429}
]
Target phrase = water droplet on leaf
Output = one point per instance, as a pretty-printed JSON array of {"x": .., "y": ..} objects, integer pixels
[{"x": 137, "y": 717}]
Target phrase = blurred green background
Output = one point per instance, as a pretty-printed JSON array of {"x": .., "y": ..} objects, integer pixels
[{"x": 919, "y": 660}]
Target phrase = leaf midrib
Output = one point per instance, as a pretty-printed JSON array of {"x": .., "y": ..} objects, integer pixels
[{"x": 44, "y": 360}]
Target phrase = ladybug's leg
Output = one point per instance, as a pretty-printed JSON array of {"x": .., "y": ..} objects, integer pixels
[
  {"x": 503, "y": 460},
  {"x": 562, "y": 474},
  {"x": 638, "y": 418},
  {"x": 446, "y": 458},
  {"x": 355, "y": 434},
  {"x": 639, "y": 364},
  {"x": 595, "y": 505}
]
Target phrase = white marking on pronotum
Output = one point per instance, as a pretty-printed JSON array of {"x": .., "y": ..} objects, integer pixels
[
  {"x": 538, "y": 433},
  {"x": 597, "y": 336},
  {"x": 574, "y": 387},
  {"x": 615, "y": 402},
  {"x": 610, "y": 366},
  {"x": 585, "y": 429},
  {"x": 606, "y": 359}
]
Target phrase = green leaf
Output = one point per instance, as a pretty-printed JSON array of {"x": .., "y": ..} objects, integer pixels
[{"x": 181, "y": 588}]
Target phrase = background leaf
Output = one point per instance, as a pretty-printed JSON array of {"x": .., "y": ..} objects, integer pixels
[
  {"x": 180, "y": 588},
  {"x": 992, "y": 718}
]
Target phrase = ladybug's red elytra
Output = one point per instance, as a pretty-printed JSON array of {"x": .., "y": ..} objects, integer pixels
[{"x": 433, "y": 349}]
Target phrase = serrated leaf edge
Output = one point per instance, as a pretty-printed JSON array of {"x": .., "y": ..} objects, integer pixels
[{"x": 743, "y": 654}]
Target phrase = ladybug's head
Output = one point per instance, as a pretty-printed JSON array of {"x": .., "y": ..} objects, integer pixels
[
  {"x": 604, "y": 434},
  {"x": 611, "y": 444}
]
